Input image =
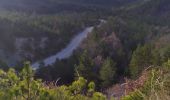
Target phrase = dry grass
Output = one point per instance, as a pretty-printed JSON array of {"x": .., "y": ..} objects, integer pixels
[{"x": 153, "y": 84}]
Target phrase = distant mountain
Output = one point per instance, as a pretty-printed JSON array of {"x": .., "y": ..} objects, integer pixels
[
  {"x": 52, "y": 6},
  {"x": 150, "y": 8},
  {"x": 149, "y": 11}
]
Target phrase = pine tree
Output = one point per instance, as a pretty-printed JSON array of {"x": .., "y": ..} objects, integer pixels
[
  {"x": 23, "y": 86},
  {"x": 86, "y": 67},
  {"x": 107, "y": 72},
  {"x": 141, "y": 58}
]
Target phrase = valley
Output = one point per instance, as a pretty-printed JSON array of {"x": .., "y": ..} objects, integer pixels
[{"x": 84, "y": 49}]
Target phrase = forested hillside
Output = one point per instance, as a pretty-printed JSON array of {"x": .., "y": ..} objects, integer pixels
[
  {"x": 30, "y": 30},
  {"x": 128, "y": 46},
  {"x": 60, "y": 5}
]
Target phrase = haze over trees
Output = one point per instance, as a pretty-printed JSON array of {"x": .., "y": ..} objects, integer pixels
[{"x": 132, "y": 42}]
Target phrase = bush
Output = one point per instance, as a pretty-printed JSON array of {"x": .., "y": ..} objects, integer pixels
[
  {"x": 23, "y": 86},
  {"x": 156, "y": 87}
]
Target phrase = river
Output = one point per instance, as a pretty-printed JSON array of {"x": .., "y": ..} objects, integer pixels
[{"x": 67, "y": 51}]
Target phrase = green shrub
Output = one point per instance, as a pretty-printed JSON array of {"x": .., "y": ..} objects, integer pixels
[{"x": 23, "y": 86}]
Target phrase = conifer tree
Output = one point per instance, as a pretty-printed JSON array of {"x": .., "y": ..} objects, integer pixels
[{"x": 107, "y": 72}]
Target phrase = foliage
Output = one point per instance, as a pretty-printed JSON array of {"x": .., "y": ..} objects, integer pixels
[
  {"x": 107, "y": 72},
  {"x": 23, "y": 86},
  {"x": 155, "y": 88},
  {"x": 126, "y": 42},
  {"x": 86, "y": 67},
  {"x": 141, "y": 58},
  {"x": 57, "y": 30},
  {"x": 166, "y": 65}
]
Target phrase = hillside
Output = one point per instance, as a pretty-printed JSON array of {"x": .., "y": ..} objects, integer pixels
[
  {"x": 125, "y": 38},
  {"x": 56, "y": 6},
  {"x": 44, "y": 23},
  {"x": 125, "y": 55}
]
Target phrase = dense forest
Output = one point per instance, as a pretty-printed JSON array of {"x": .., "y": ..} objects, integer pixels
[{"x": 127, "y": 56}]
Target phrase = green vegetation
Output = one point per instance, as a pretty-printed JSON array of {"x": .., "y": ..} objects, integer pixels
[
  {"x": 156, "y": 87},
  {"x": 56, "y": 29},
  {"x": 131, "y": 39},
  {"x": 23, "y": 86},
  {"x": 141, "y": 58},
  {"x": 135, "y": 36},
  {"x": 107, "y": 72},
  {"x": 86, "y": 67}
]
